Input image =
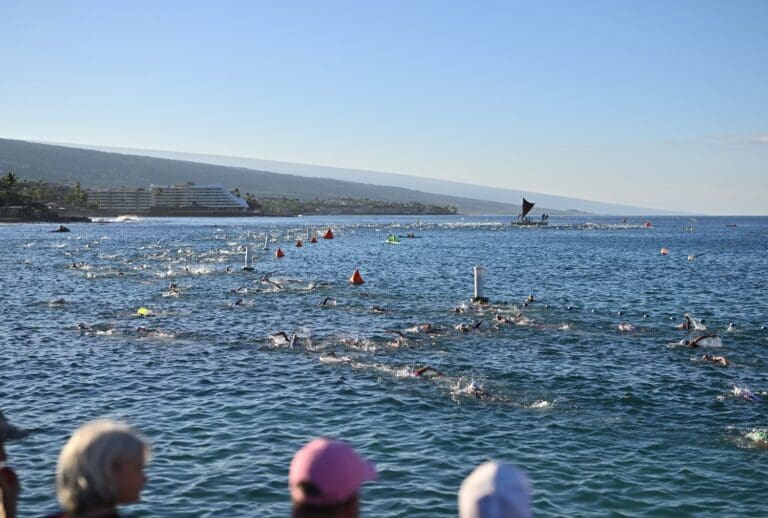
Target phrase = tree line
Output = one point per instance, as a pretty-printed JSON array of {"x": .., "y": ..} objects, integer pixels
[
  {"x": 39, "y": 193},
  {"x": 17, "y": 192},
  {"x": 283, "y": 206}
]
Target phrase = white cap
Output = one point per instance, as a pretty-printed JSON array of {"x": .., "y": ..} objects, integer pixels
[{"x": 495, "y": 490}]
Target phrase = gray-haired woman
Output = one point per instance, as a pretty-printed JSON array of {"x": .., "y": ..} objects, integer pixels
[{"x": 101, "y": 467}]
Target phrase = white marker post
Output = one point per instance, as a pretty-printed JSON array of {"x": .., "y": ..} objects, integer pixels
[
  {"x": 479, "y": 297},
  {"x": 248, "y": 266}
]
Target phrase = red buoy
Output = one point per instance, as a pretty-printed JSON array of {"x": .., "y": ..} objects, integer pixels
[
  {"x": 299, "y": 244},
  {"x": 356, "y": 278},
  {"x": 279, "y": 253},
  {"x": 313, "y": 240},
  {"x": 328, "y": 234}
]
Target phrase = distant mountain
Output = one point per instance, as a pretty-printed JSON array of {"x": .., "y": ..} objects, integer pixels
[
  {"x": 545, "y": 202},
  {"x": 116, "y": 167},
  {"x": 98, "y": 169}
]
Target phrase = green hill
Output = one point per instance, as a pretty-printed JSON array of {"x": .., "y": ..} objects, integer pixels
[{"x": 97, "y": 169}]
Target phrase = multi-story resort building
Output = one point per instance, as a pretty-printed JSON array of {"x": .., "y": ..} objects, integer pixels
[{"x": 182, "y": 198}]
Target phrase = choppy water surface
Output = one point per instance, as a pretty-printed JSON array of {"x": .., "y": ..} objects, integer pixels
[{"x": 604, "y": 421}]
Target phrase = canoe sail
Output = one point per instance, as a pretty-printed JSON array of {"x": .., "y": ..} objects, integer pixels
[{"x": 527, "y": 206}]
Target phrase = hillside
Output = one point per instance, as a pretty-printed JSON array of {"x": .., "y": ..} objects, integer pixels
[
  {"x": 96, "y": 169},
  {"x": 553, "y": 203}
]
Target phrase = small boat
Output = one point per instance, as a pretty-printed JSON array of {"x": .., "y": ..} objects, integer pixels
[
  {"x": 392, "y": 239},
  {"x": 523, "y": 220}
]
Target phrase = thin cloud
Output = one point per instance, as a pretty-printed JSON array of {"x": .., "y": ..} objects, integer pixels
[{"x": 759, "y": 139}]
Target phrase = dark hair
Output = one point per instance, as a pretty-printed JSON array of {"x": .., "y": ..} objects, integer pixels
[{"x": 321, "y": 511}]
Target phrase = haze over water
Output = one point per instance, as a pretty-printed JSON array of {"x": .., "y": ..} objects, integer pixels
[{"x": 602, "y": 421}]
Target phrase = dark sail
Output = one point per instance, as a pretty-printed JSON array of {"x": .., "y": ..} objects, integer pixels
[{"x": 527, "y": 206}]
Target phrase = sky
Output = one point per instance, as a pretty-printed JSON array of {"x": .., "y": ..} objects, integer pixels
[{"x": 648, "y": 103}]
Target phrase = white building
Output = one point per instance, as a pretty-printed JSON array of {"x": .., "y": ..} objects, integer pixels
[
  {"x": 123, "y": 200},
  {"x": 214, "y": 197},
  {"x": 189, "y": 195}
]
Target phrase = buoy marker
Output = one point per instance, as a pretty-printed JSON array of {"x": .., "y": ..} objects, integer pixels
[
  {"x": 279, "y": 253},
  {"x": 299, "y": 244},
  {"x": 313, "y": 240},
  {"x": 479, "y": 297},
  {"x": 248, "y": 266},
  {"x": 328, "y": 234},
  {"x": 356, "y": 278}
]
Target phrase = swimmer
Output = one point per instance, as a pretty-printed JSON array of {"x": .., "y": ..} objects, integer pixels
[
  {"x": 717, "y": 360},
  {"x": 626, "y": 327},
  {"x": 379, "y": 309},
  {"x": 282, "y": 338},
  {"x": 238, "y": 302},
  {"x": 399, "y": 340},
  {"x": 266, "y": 280},
  {"x": 476, "y": 389},
  {"x": 747, "y": 394},
  {"x": 758, "y": 436},
  {"x": 419, "y": 373},
  {"x": 459, "y": 309},
  {"x": 687, "y": 323},
  {"x": 328, "y": 301},
  {"x": 731, "y": 327},
  {"x": 530, "y": 298},
  {"x": 57, "y": 302},
  {"x": 424, "y": 328},
  {"x": 465, "y": 328},
  {"x": 702, "y": 341},
  {"x": 82, "y": 326}
]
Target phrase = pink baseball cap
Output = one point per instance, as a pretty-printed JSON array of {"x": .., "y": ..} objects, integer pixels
[{"x": 333, "y": 467}]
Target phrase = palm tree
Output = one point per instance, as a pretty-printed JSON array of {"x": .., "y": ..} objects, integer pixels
[{"x": 10, "y": 180}]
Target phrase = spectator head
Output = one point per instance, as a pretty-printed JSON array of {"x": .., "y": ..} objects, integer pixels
[
  {"x": 101, "y": 466},
  {"x": 325, "y": 478},
  {"x": 9, "y": 432},
  {"x": 495, "y": 490}
]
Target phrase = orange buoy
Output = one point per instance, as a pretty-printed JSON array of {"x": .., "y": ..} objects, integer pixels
[
  {"x": 356, "y": 278},
  {"x": 279, "y": 253},
  {"x": 664, "y": 251},
  {"x": 313, "y": 240},
  {"x": 328, "y": 234},
  {"x": 299, "y": 244}
]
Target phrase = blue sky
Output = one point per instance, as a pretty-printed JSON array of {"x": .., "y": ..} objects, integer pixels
[{"x": 656, "y": 104}]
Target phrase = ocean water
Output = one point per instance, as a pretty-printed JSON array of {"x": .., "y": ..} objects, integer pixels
[{"x": 604, "y": 422}]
